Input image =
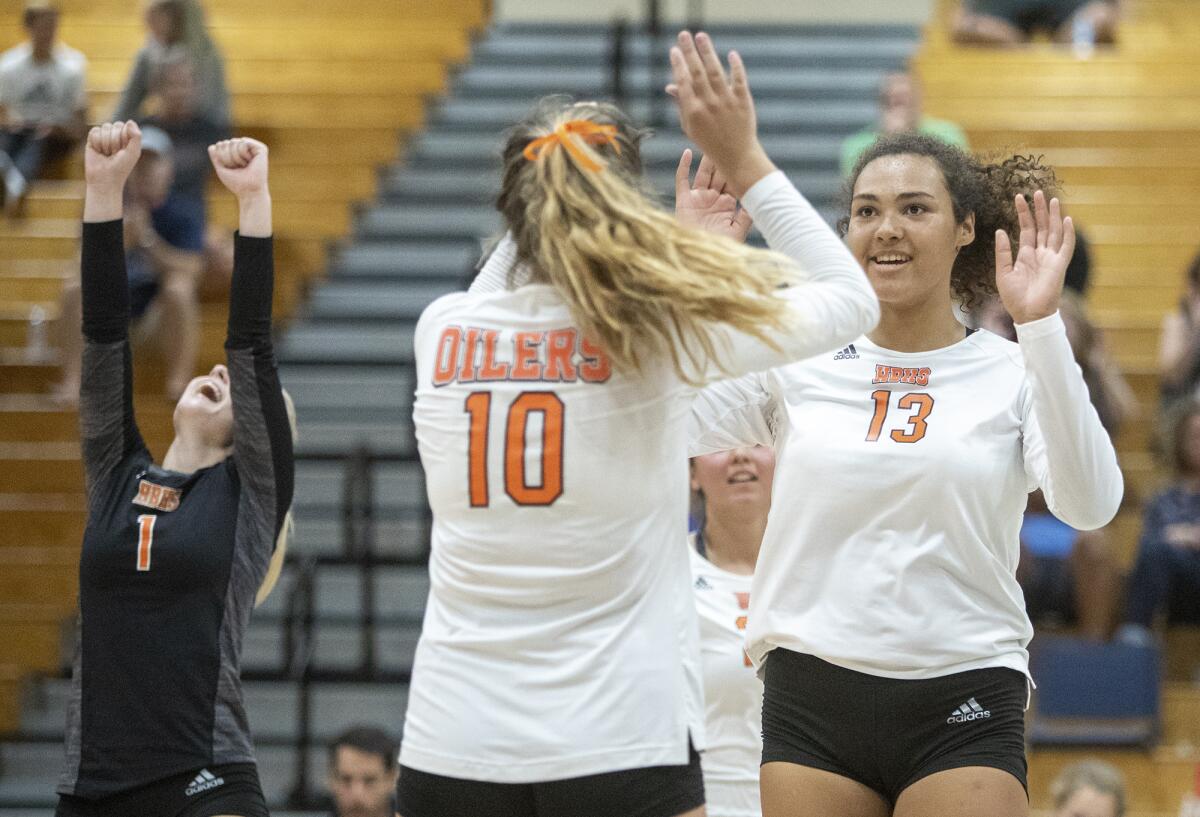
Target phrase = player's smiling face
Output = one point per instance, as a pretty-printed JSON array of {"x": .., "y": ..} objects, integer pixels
[
  {"x": 902, "y": 229},
  {"x": 739, "y": 476},
  {"x": 205, "y": 410}
]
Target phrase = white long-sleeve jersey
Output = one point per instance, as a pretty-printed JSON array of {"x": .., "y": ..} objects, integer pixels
[
  {"x": 560, "y": 633},
  {"x": 733, "y": 694},
  {"x": 900, "y": 483}
]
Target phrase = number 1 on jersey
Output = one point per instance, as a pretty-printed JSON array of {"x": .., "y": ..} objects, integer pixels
[
  {"x": 145, "y": 541},
  {"x": 516, "y": 480}
]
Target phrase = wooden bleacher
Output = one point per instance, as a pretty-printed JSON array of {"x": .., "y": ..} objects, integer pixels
[
  {"x": 331, "y": 88},
  {"x": 1123, "y": 130}
]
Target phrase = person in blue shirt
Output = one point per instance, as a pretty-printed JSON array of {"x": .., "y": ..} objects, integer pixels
[{"x": 1166, "y": 575}]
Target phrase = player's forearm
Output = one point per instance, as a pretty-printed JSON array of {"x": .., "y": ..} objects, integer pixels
[
  {"x": 1083, "y": 482},
  {"x": 254, "y": 215}
]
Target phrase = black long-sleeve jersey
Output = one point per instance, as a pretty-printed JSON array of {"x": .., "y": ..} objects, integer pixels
[{"x": 171, "y": 562}]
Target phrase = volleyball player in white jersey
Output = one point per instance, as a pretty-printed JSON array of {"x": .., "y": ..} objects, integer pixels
[
  {"x": 885, "y": 606},
  {"x": 736, "y": 490},
  {"x": 556, "y": 672}
]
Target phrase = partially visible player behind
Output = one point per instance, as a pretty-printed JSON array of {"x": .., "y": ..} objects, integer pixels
[
  {"x": 735, "y": 487},
  {"x": 175, "y": 555},
  {"x": 556, "y": 673}
]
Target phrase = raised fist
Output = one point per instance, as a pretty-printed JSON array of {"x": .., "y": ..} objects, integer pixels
[{"x": 111, "y": 153}]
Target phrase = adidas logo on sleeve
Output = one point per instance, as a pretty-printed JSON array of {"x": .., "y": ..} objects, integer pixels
[
  {"x": 970, "y": 711},
  {"x": 204, "y": 781}
]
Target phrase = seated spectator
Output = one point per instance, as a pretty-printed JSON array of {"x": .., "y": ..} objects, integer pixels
[
  {"x": 163, "y": 256},
  {"x": 1011, "y": 22},
  {"x": 1070, "y": 576},
  {"x": 1090, "y": 788},
  {"x": 1079, "y": 268},
  {"x": 363, "y": 770},
  {"x": 1166, "y": 575},
  {"x": 191, "y": 132},
  {"x": 1179, "y": 343},
  {"x": 899, "y": 111},
  {"x": 177, "y": 31},
  {"x": 43, "y": 102}
]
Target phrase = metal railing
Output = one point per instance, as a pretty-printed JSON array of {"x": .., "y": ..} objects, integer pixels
[
  {"x": 359, "y": 547},
  {"x": 298, "y": 652},
  {"x": 657, "y": 61}
]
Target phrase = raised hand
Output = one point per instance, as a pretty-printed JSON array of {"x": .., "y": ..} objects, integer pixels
[
  {"x": 112, "y": 151},
  {"x": 1031, "y": 285},
  {"x": 716, "y": 111},
  {"x": 241, "y": 165},
  {"x": 704, "y": 203}
]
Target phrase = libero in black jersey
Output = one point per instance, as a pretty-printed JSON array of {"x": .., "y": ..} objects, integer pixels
[{"x": 173, "y": 556}]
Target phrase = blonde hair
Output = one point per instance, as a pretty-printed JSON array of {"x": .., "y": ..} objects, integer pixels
[
  {"x": 637, "y": 282},
  {"x": 286, "y": 531}
]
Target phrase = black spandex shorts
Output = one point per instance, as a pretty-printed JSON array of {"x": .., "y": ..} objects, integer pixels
[
  {"x": 1030, "y": 15},
  {"x": 222, "y": 789},
  {"x": 888, "y": 733},
  {"x": 655, "y": 791}
]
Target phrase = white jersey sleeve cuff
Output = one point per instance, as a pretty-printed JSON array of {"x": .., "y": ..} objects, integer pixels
[{"x": 1041, "y": 328}]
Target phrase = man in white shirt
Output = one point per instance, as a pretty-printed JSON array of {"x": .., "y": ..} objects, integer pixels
[{"x": 43, "y": 101}]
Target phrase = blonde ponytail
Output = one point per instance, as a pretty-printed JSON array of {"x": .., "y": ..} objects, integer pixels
[
  {"x": 637, "y": 282},
  {"x": 286, "y": 531}
]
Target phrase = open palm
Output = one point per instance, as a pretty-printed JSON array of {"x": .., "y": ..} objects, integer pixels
[
  {"x": 704, "y": 203},
  {"x": 1031, "y": 285}
]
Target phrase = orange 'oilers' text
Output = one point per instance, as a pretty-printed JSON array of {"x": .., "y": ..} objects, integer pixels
[
  {"x": 474, "y": 355},
  {"x": 896, "y": 374}
]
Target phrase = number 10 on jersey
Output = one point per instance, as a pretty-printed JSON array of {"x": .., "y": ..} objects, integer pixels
[{"x": 516, "y": 441}]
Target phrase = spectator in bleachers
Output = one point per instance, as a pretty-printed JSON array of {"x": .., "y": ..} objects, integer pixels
[
  {"x": 191, "y": 132},
  {"x": 1011, "y": 22},
  {"x": 1090, "y": 788},
  {"x": 1070, "y": 576},
  {"x": 163, "y": 257},
  {"x": 1179, "y": 343},
  {"x": 1079, "y": 271},
  {"x": 43, "y": 102},
  {"x": 1166, "y": 575},
  {"x": 363, "y": 769},
  {"x": 178, "y": 31},
  {"x": 899, "y": 111}
]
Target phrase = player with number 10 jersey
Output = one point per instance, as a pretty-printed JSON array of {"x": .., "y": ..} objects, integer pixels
[{"x": 559, "y": 636}]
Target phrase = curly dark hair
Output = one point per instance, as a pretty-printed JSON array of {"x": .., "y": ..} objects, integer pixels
[{"x": 976, "y": 186}]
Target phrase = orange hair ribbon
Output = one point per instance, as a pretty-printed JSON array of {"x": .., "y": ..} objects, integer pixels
[{"x": 589, "y": 132}]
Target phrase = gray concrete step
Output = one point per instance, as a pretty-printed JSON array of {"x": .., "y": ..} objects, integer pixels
[
  {"x": 360, "y": 301},
  {"x": 783, "y": 117},
  {"x": 398, "y": 486},
  {"x": 411, "y": 260},
  {"x": 868, "y": 50},
  {"x": 355, "y": 345},
  {"x": 841, "y": 83}
]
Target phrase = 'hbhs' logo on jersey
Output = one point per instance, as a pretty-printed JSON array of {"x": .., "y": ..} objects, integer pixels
[{"x": 896, "y": 374}]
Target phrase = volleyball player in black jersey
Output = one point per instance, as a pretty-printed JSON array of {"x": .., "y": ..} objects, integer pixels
[{"x": 173, "y": 555}]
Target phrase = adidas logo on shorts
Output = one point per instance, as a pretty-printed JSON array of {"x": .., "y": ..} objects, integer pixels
[
  {"x": 204, "y": 781},
  {"x": 849, "y": 353},
  {"x": 970, "y": 711}
]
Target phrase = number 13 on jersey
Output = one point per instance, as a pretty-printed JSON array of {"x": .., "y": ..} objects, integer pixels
[
  {"x": 516, "y": 442},
  {"x": 919, "y": 403}
]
